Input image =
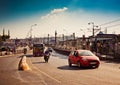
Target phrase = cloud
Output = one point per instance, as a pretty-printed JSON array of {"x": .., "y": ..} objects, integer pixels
[{"x": 54, "y": 12}]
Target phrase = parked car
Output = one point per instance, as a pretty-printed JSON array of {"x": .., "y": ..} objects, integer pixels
[{"x": 83, "y": 58}]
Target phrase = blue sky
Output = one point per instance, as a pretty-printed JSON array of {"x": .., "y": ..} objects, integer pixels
[
  {"x": 19, "y": 11},
  {"x": 16, "y": 8}
]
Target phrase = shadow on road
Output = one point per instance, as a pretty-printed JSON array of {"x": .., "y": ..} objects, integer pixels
[
  {"x": 27, "y": 55},
  {"x": 112, "y": 61},
  {"x": 66, "y": 67},
  {"x": 38, "y": 62}
]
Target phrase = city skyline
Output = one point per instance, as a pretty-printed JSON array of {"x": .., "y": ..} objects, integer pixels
[{"x": 64, "y": 16}]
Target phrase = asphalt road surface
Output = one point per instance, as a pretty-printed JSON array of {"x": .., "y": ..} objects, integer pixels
[{"x": 56, "y": 72}]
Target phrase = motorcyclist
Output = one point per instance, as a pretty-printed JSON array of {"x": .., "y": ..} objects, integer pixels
[{"x": 47, "y": 54}]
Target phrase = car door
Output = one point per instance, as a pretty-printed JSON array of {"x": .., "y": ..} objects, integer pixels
[
  {"x": 75, "y": 57},
  {"x": 71, "y": 57}
]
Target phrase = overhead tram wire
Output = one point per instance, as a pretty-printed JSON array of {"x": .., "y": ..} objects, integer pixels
[
  {"x": 109, "y": 22},
  {"x": 112, "y": 26}
]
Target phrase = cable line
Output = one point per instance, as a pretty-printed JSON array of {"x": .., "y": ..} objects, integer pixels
[
  {"x": 112, "y": 26},
  {"x": 110, "y": 22}
]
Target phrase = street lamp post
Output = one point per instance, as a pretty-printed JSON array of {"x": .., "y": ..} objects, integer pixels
[
  {"x": 92, "y": 28},
  {"x": 66, "y": 37},
  {"x": 31, "y": 30},
  {"x": 55, "y": 37},
  {"x": 48, "y": 39},
  {"x": 74, "y": 39}
]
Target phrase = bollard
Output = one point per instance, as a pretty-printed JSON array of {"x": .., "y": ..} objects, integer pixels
[
  {"x": 19, "y": 65},
  {"x": 23, "y": 64}
]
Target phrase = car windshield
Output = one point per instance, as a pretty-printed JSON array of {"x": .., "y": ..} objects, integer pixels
[{"x": 85, "y": 53}]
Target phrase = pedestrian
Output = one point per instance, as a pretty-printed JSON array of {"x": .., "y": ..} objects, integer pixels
[{"x": 25, "y": 50}]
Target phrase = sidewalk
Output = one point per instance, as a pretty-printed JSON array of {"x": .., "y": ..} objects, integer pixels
[{"x": 12, "y": 54}]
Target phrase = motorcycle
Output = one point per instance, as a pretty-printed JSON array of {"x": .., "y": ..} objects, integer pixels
[
  {"x": 46, "y": 58},
  {"x": 47, "y": 55}
]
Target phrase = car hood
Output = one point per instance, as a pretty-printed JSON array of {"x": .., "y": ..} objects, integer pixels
[{"x": 91, "y": 57}]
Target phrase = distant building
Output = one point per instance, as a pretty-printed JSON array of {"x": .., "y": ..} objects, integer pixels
[{"x": 4, "y": 37}]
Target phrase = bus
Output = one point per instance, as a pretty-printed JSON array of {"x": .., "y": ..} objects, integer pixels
[{"x": 38, "y": 50}]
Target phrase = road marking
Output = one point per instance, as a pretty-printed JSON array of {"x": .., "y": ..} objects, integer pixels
[
  {"x": 46, "y": 74},
  {"x": 19, "y": 77},
  {"x": 49, "y": 76}
]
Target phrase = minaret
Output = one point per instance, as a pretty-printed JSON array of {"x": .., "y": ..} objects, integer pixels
[
  {"x": 3, "y": 36},
  {"x": 8, "y": 32},
  {"x": 3, "y": 32}
]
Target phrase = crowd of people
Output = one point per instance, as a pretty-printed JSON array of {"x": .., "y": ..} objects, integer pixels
[{"x": 104, "y": 47}]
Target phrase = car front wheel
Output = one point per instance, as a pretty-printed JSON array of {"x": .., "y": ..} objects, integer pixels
[{"x": 78, "y": 64}]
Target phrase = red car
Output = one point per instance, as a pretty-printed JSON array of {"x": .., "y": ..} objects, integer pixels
[{"x": 83, "y": 58}]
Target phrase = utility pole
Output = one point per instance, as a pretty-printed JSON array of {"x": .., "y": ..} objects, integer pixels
[
  {"x": 63, "y": 36},
  {"x": 66, "y": 40},
  {"x": 55, "y": 37},
  {"x": 74, "y": 38},
  {"x": 48, "y": 39},
  {"x": 93, "y": 28}
]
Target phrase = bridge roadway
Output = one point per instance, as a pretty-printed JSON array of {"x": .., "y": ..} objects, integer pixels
[{"x": 56, "y": 72}]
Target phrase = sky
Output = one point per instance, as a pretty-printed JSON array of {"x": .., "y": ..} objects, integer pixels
[{"x": 43, "y": 17}]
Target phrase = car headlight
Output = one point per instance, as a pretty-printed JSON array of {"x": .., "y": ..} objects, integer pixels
[
  {"x": 84, "y": 59},
  {"x": 97, "y": 58}
]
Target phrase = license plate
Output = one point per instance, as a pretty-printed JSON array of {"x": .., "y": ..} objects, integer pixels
[{"x": 92, "y": 62}]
